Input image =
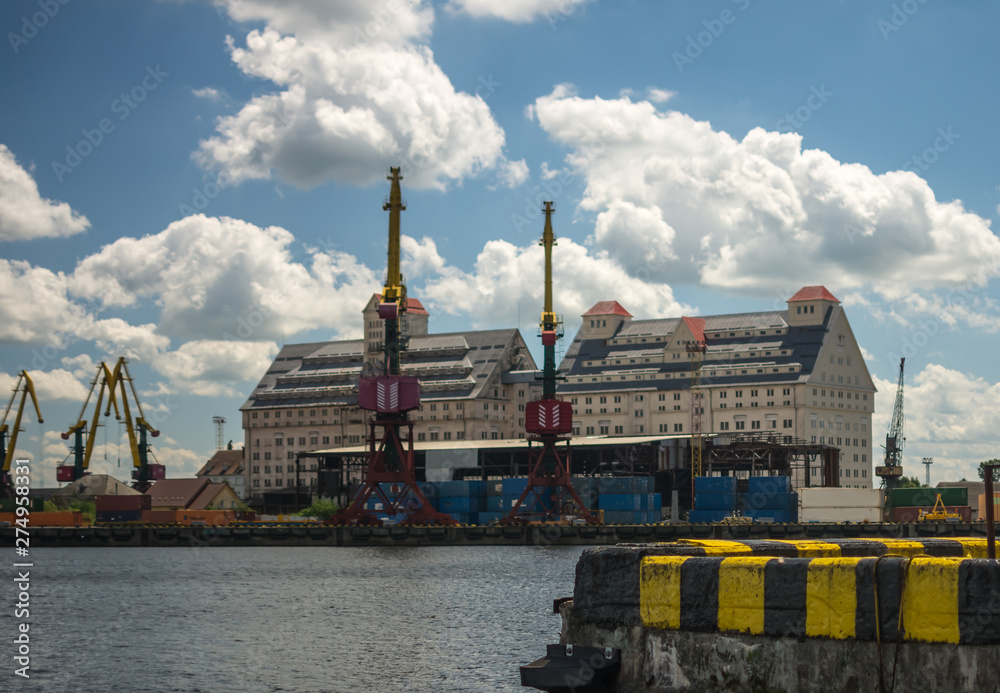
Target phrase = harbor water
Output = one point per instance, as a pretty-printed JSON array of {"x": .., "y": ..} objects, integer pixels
[{"x": 217, "y": 619}]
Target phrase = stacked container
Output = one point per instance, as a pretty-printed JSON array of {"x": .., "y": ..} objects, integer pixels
[
  {"x": 714, "y": 499},
  {"x": 461, "y": 499},
  {"x": 770, "y": 499},
  {"x": 121, "y": 508}
]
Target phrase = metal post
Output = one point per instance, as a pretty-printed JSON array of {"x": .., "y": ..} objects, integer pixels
[{"x": 990, "y": 537}]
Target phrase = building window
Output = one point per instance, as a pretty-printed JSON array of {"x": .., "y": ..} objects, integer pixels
[
  {"x": 786, "y": 423},
  {"x": 678, "y": 428},
  {"x": 741, "y": 425},
  {"x": 723, "y": 425},
  {"x": 267, "y": 455},
  {"x": 755, "y": 424}
]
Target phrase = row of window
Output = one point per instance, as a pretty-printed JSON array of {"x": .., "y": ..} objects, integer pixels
[{"x": 280, "y": 482}]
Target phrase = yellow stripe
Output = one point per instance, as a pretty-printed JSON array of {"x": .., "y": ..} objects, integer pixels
[
  {"x": 718, "y": 547},
  {"x": 813, "y": 548},
  {"x": 660, "y": 591},
  {"x": 741, "y": 594},
  {"x": 973, "y": 548},
  {"x": 831, "y": 598},
  {"x": 902, "y": 547},
  {"x": 930, "y": 611}
]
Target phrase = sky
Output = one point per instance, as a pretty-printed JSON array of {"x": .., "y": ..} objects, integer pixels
[{"x": 192, "y": 184}]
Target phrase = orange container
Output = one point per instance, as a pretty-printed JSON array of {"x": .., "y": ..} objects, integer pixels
[
  {"x": 207, "y": 517},
  {"x": 57, "y": 518},
  {"x": 159, "y": 517}
]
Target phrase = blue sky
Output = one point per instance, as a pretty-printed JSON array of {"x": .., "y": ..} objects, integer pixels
[{"x": 193, "y": 184}]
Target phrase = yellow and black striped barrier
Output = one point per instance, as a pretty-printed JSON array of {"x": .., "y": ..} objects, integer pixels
[
  {"x": 943, "y": 599},
  {"x": 833, "y": 548}
]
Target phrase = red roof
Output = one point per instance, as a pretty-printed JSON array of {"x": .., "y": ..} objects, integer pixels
[
  {"x": 175, "y": 493},
  {"x": 813, "y": 293},
  {"x": 608, "y": 308},
  {"x": 697, "y": 327},
  {"x": 413, "y": 305}
]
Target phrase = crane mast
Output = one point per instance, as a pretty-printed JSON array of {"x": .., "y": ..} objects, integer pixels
[
  {"x": 82, "y": 451},
  {"x": 892, "y": 469},
  {"x": 549, "y": 493},
  {"x": 26, "y": 388},
  {"x": 390, "y": 474}
]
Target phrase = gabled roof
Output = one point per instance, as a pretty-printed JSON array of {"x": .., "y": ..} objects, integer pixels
[
  {"x": 413, "y": 305},
  {"x": 175, "y": 493},
  {"x": 95, "y": 485},
  {"x": 608, "y": 308},
  {"x": 207, "y": 496},
  {"x": 813, "y": 293},
  {"x": 222, "y": 462},
  {"x": 697, "y": 327}
]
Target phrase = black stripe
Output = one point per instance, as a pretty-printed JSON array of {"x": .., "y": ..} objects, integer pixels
[
  {"x": 700, "y": 594},
  {"x": 785, "y": 596},
  {"x": 942, "y": 547},
  {"x": 979, "y": 601},
  {"x": 861, "y": 548},
  {"x": 864, "y": 620},
  {"x": 766, "y": 547}
]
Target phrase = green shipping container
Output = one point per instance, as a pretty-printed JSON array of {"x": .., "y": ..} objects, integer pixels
[
  {"x": 913, "y": 497},
  {"x": 9, "y": 505}
]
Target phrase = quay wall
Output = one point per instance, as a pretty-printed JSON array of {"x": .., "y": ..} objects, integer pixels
[
  {"x": 534, "y": 535},
  {"x": 792, "y": 616}
]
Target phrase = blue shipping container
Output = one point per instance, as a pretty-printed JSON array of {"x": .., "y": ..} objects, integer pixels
[
  {"x": 769, "y": 484},
  {"x": 706, "y": 516},
  {"x": 715, "y": 501},
  {"x": 624, "y": 517},
  {"x": 494, "y": 487},
  {"x": 494, "y": 504},
  {"x": 767, "y": 501},
  {"x": 620, "y": 501},
  {"x": 514, "y": 486},
  {"x": 489, "y": 518},
  {"x": 617, "y": 485},
  {"x": 714, "y": 484},
  {"x": 768, "y": 515},
  {"x": 458, "y": 504}
]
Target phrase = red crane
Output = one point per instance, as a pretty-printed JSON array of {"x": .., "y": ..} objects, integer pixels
[
  {"x": 549, "y": 494},
  {"x": 391, "y": 396}
]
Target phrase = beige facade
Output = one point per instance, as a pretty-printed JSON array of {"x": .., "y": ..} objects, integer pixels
[
  {"x": 474, "y": 385},
  {"x": 797, "y": 372}
]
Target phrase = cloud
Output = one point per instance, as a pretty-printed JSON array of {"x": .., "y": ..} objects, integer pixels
[
  {"x": 35, "y": 307},
  {"x": 218, "y": 278},
  {"x": 24, "y": 213},
  {"x": 520, "y": 11},
  {"x": 950, "y": 415},
  {"x": 210, "y": 94},
  {"x": 506, "y": 277},
  {"x": 721, "y": 209},
  {"x": 513, "y": 173},
  {"x": 358, "y": 93},
  {"x": 657, "y": 95},
  {"x": 205, "y": 367}
]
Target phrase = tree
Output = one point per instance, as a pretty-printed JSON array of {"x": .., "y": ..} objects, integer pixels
[
  {"x": 909, "y": 482},
  {"x": 982, "y": 469}
]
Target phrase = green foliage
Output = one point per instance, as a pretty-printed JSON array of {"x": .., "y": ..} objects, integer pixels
[
  {"x": 88, "y": 508},
  {"x": 982, "y": 469},
  {"x": 321, "y": 508},
  {"x": 50, "y": 506},
  {"x": 910, "y": 482}
]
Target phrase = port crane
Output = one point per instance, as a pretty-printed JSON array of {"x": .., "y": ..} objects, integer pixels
[
  {"x": 391, "y": 396},
  {"x": 26, "y": 388},
  {"x": 143, "y": 472},
  {"x": 83, "y": 439},
  {"x": 891, "y": 471},
  {"x": 549, "y": 493}
]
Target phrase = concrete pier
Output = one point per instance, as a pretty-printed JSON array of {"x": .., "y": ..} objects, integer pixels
[
  {"x": 768, "y": 536},
  {"x": 811, "y": 616}
]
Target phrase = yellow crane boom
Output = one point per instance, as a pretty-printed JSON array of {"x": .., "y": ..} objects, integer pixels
[
  {"x": 23, "y": 380},
  {"x": 103, "y": 381}
]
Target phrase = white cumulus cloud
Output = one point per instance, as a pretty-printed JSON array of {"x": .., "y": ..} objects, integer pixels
[
  {"x": 520, "y": 11},
  {"x": 358, "y": 92},
  {"x": 204, "y": 367},
  {"x": 729, "y": 213},
  {"x": 24, "y": 213}
]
